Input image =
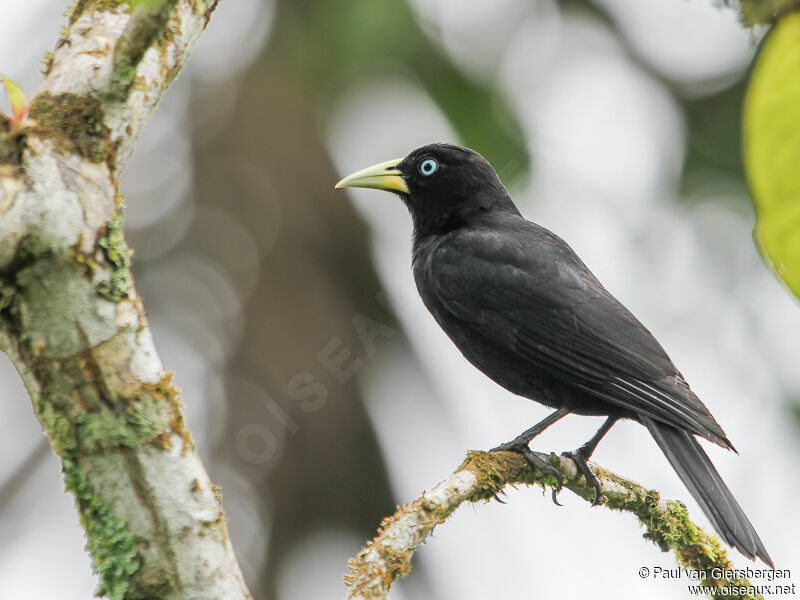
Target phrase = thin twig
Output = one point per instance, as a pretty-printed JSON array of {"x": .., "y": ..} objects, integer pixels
[{"x": 484, "y": 474}]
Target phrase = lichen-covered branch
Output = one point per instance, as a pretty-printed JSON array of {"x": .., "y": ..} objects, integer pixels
[
  {"x": 72, "y": 322},
  {"x": 112, "y": 66},
  {"x": 483, "y": 475}
]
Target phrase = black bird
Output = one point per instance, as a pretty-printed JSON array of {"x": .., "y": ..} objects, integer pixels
[{"x": 523, "y": 308}]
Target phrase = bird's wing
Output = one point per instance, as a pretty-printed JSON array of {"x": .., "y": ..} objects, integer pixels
[{"x": 530, "y": 293}]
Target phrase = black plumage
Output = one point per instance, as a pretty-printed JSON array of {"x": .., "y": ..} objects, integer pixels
[{"x": 525, "y": 310}]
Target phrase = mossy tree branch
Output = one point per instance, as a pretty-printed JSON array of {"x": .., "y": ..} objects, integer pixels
[
  {"x": 72, "y": 322},
  {"x": 483, "y": 475}
]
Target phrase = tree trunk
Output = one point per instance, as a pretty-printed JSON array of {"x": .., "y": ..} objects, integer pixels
[{"x": 70, "y": 318}]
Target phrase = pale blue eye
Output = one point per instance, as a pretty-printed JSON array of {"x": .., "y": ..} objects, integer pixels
[{"x": 428, "y": 166}]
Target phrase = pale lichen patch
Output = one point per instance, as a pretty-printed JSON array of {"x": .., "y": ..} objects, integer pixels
[
  {"x": 49, "y": 215},
  {"x": 145, "y": 364},
  {"x": 456, "y": 486},
  {"x": 59, "y": 308},
  {"x": 86, "y": 51}
]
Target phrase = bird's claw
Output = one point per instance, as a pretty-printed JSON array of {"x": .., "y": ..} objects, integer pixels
[
  {"x": 580, "y": 462},
  {"x": 511, "y": 446},
  {"x": 537, "y": 463}
]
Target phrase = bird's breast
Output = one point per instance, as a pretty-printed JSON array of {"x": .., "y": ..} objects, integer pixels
[{"x": 468, "y": 331}]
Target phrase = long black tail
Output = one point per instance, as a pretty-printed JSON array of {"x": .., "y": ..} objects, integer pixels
[{"x": 693, "y": 466}]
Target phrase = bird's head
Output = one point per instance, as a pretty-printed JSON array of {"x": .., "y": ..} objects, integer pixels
[{"x": 439, "y": 183}]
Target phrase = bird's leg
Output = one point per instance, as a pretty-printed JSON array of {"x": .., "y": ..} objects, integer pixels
[
  {"x": 582, "y": 455},
  {"x": 524, "y": 438},
  {"x": 520, "y": 444}
]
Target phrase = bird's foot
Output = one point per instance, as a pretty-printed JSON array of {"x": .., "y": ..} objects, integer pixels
[
  {"x": 521, "y": 447},
  {"x": 580, "y": 460}
]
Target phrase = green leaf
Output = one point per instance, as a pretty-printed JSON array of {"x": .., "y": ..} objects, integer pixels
[
  {"x": 16, "y": 99},
  {"x": 772, "y": 148}
]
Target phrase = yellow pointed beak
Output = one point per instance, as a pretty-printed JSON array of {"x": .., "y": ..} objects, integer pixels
[{"x": 383, "y": 176}]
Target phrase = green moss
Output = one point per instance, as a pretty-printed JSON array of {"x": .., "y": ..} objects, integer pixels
[
  {"x": 113, "y": 549},
  {"x": 74, "y": 10},
  {"x": 217, "y": 494},
  {"x": 73, "y": 429},
  {"x": 28, "y": 250},
  {"x": 119, "y": 255},
  {"x": 47, "y": 63},
  {"x": 165, "y": 391},
  {"x": 667, "y": 524},
  {"x": 10, "y": 148},
  {"x": 666, "y": 528},
  {"x": 495, "y": 470},
  {"x": 7, "y": 294},
  {"x": 148, "y": 22},
  {"x": 131, "y": 428},
  {"x": 86, "y": 262},
  {"x": 74, "y": 124},
  {"x": 79, "y": 417},
  {"x": 672, "y": 529}
]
